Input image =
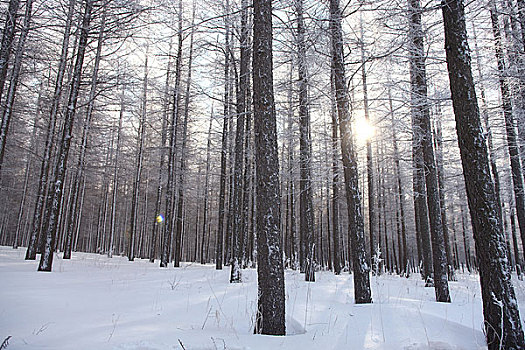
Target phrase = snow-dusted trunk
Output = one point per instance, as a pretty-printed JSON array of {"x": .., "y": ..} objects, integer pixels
[
  {"x": 335, "y": 182},
  {"x": 46, "y": 260},
  {"x": 27, "y": 171},
  {"x": 182, "y": 174},
  {"x": 512, "y": 142},
  {"x": 353, "y": 196},
  {"x": 9, "y": 102},
  {"x": 205, "y": 223},
  {"x": 172, "y": 156},
  {"x": 292, "y": 222},
  {"x": 369, "y": 156},
  {"x": 423, "y": 135},
  {"x": 8, "y": 34},
  {"x": 270, "y": 270},
  {"x": 239, "y": 221},
  {"x": 79, "y": 171},
  {"x": 160, "y": 188},
  {"x": 441, "y": 182},
  {"x": 138, "y": 170},
  {"x": 115, "y": 182},
  {"x": 418, "y": 102},
  {"x": 500, "y": 309},
  {"x": 219, "y": 242},
  {"x": 36, "y": 226},
  {"x": 399, "y": 189},
  {"x": 306, "y": 210},
  {"x": 247, "y": 180}
]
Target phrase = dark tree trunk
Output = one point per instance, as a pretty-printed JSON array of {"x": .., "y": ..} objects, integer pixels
[
  {"x": 271, "y": 302},
  {"x": 423, "y": 135},
  {"x": 46, "y": 260},
  {"x": 239, "y": 221},
  {"x": 79, "y": 171},
  {"x": 500, "y": 309},
  {"x": 355, "y": 218},
  {"x": 399, "y": 189},
  {"x": 441, "y": 181},
  {"x": 158, "y": 222},
  {"x": 335, "y": 183},
  {"x": 369, "y": 159},
  {"x": 205, "y": 223},
  {"x": 512, "y": 142},
  {"x": 419, "y": 111},
  {"x": 8, "y": 34},
  {"x": 170, "y": 188},
  {"x": 36, "y": 226},
  {"x": 138, "y": 170},
  {"x": 305, "y": 184},
  {"x": 219, "y": 244},
  {"x": 180, "y": 205},
  {"x": 8, "y": 104}
]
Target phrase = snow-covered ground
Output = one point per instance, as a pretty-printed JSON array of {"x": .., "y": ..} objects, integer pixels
[{"x": 93, "y": 302}]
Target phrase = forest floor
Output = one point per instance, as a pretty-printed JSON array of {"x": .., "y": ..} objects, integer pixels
[{"x": 93, "y": 302}]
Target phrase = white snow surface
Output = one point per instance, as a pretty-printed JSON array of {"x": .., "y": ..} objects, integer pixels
[{"x": 94, "y": 302}]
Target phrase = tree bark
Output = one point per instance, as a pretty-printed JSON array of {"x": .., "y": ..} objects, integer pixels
[
  {"x": 79, "y": 172},
  {"x": 46, "y": 260},
  {"x": 306, "y": 209},
  {"x": 500, "y": 309},
  {"x": 355, "y": 218},
  {"x": 36, "y": 226},
  {"x": 8, "y": 35},
  {"x": 271, "y": 298},
  {"x": 8, "y": 104},
  {"x": 174, "y": 122}
]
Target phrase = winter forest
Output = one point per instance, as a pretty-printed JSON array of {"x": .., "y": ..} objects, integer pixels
[{"x": 257, "y": 174}]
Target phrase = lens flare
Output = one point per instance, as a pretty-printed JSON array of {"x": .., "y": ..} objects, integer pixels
[{"x": 364, "y": 131}]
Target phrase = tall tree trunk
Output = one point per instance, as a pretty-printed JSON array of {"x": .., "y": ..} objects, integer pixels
[
  {"x": 399, "y": 188},
  {"x": 239, "y": 221},
  {"x": 219, "y": 251},
  {"x": 500, "y": 309},
  {"x": 138, "y": 170},
  {"x": 205, "y": 223},
  {"x": 421, "y": 115},
  {"x": 306, "y": 209},
  {"x": 27, "y": 171},
  {"x": 170, "y": 188},
  {"x": 160, "y": 189},
  {"x": 292, "y": 249},
  {"x": 8, "y": 104},
  {"x": 369, "y": 157},
  {"x": 8, "y": 35},
  {"x": 335, "y": 181},
  {"x": 419, "y": 111},
  {"x": 271, "y": 301},
  {"x": 115, "y": 182},
  {"x": 79, "y": 172},
  {"x": 355, "y": 218},
  {"x": 441, "y": 182},
  {"x": 512, "y": 142},
  {"x": 36, "y": 226},
  {"x": 182, "y": 173},
  {"x": 46, "y": 260}
]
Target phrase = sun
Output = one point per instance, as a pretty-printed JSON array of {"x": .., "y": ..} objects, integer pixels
[{"x": 363, "y": 131}]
